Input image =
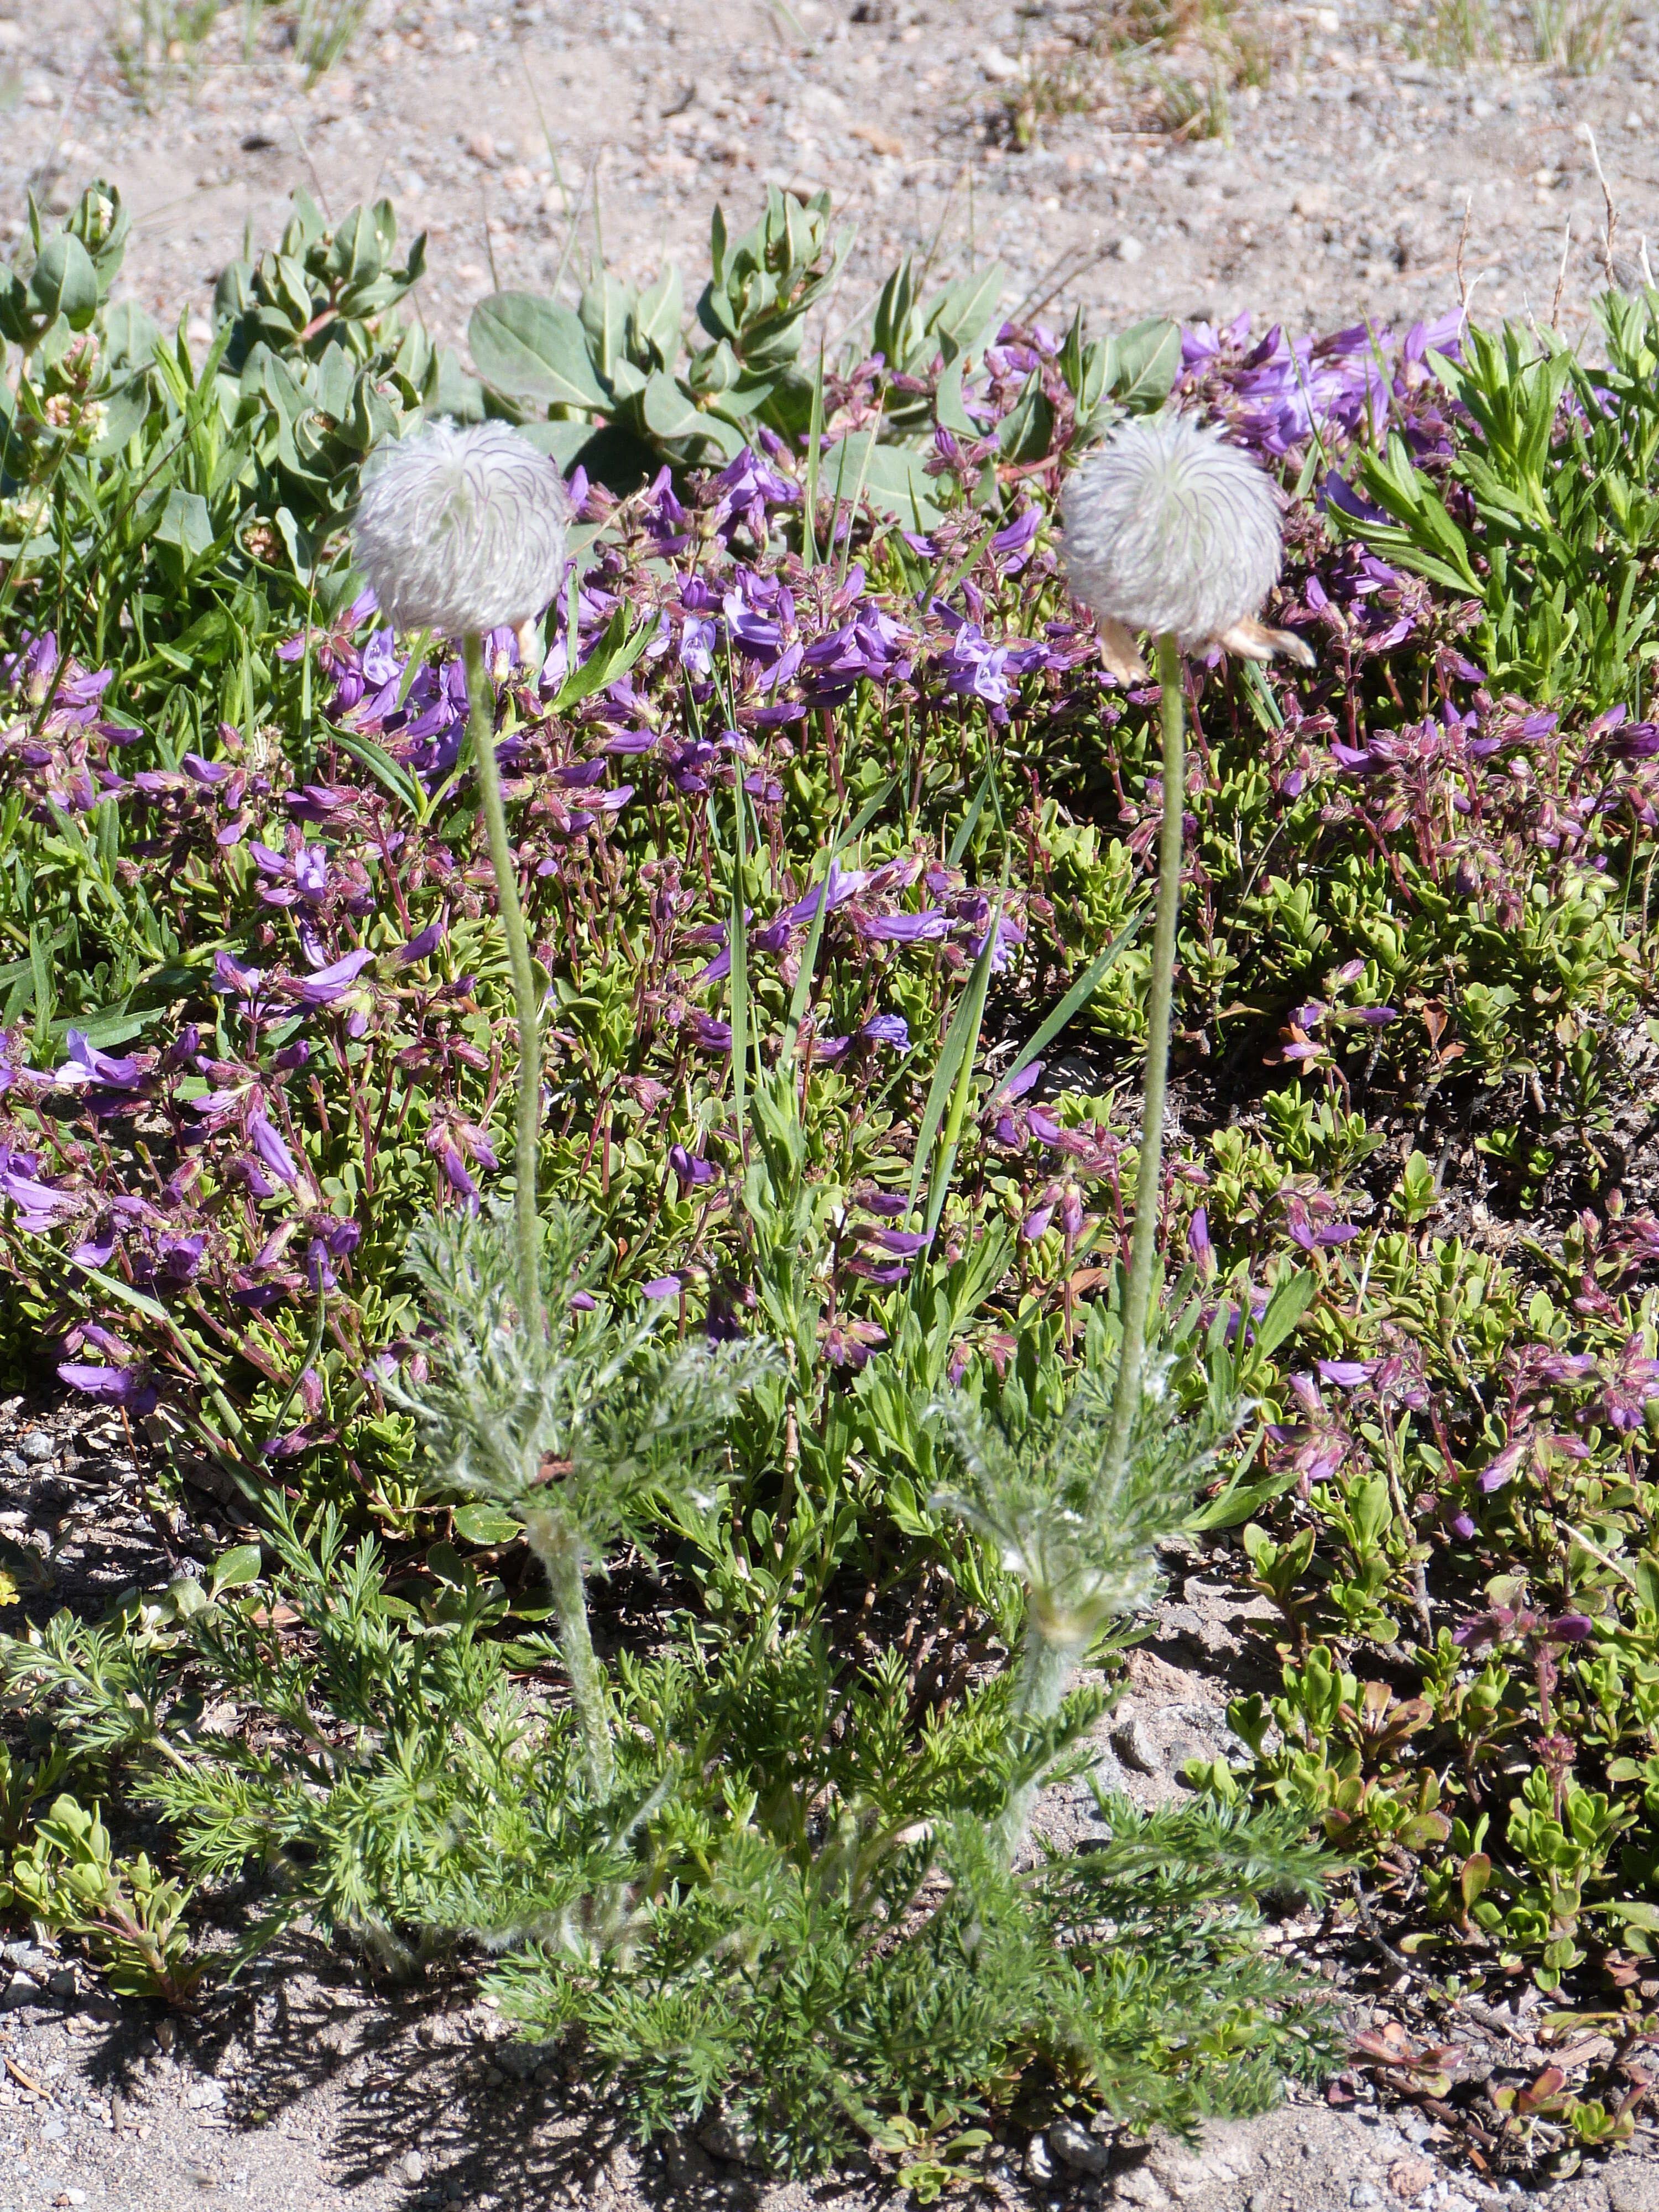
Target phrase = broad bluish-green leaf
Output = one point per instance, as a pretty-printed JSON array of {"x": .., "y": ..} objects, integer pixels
[
  {"x": 891, "y": 477},
  {"x": 533, "y": 350}
]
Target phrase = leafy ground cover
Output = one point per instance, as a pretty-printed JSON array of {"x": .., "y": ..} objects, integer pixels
[{"x": 835, "y": 839}]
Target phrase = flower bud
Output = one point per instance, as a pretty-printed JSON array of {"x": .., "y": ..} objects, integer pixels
[{"x": 462, "y": 531}]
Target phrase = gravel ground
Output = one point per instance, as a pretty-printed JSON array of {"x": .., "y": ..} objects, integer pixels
[
  {"x": 1343, "y": 194},
  {"x": 1349, "y": 179}
]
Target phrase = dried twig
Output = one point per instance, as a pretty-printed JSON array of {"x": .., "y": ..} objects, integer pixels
[
  {"x": 1606, "y": 200},
  {"x": 1484, "y": 2015},
  {"x": 1462, "y": 241},
  {"x": 1561, "y": 278}
]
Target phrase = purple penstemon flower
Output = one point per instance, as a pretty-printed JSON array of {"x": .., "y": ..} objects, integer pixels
[
  {"x": 903, "y": 1244},
  {"x": 128, "y": 1387},
  {"x": 331, "y": 984},
  {"x": 1303, "y": 1230},
  {"x": 39, "y": 1206},
  {"x": 422, "y": 946},
  {"x": 270, "y": 1148},
  {"x": 1199, "y": 1244},
  {"x": 690, "y": 1171},
  {"x": 87, "y": 1067},
  {"x": 891, "y": 1030},
  {"x": 905, "y": 928},
  {"x": 1346, "y": 1374}
]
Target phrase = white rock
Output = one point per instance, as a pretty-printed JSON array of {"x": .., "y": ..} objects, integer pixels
[
  {"x": 1130, "y": 250},
  {"x": 1075, "y": 2146},
  {"x": 997, "y": 66},
  {"x": 1039, "y": 2167}
]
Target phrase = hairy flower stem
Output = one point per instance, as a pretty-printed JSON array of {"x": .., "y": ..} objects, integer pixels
[
  {"x": 481, "y": 728},
  {"x": 555, "y": 1545},
  {"x": 1149, "y": 1172},
  {"x": 1045, "y": 1670}
]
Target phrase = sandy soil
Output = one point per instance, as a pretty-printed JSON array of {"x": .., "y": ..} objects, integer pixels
[{"x": 1343, "y": 194}]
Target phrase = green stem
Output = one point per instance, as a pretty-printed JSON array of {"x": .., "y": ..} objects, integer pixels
[
  {"x": 555, "y": 1545},
  {"x": 1045, "y": 1669},
  {"x": 1149, "y": 1171},
  {"x": 482, "y": 729}
]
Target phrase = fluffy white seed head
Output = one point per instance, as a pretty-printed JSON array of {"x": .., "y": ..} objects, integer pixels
[
  {"x": 1167, "y": 528},
  {"x": 463, "y": 531}
]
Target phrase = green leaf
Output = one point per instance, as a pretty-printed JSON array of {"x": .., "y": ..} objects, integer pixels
[
  {"x": 130, "y": 335},
  {"x": 606, "y": 308},
  {"x": 949, "y": 411},
  {"x": 959, "y": 318},
  {"x": 1027, "y": 430},
  {"x": 668, "y": 409},
  {"x": 186, "y": 524},
  {"x": 236, "y": 1568},
  {"x": 611, "y": 658},
  {"x": 389, "y": 773},
  {"x": 486, "y": 1524},
  {"x": 63, "y": 282},
  {"x": 1290, "y": 1301},
  {"x": 1143, "y": 363},
  {"x": 534, "y": 349},
  {"x": 814, "y": 458},
  {"x": 654, "y": 326}
]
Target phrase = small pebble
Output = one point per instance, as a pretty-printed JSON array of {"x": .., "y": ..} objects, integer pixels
[
  {"x": 38, "y": 1446},
  {"x": 1132, "y": 1741},
  {"x": 412, "y": 2165}
]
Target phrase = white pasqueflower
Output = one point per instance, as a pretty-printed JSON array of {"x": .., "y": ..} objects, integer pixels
[
  {"x": 462, "y": 530},
  {"x": 1169, "y": 529}
]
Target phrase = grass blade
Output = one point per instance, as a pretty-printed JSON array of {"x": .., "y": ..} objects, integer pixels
[
  {"x": 737, "y": 943},
  {"x": 814, "y": 451},
  {"x": 1076, "y": 997},
  {"x": 955, "y": 1067},
  {"x": 385, "y": 771},
  {"x": 970, "y": 1014},
  {"x": 959, "y": 843}
]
